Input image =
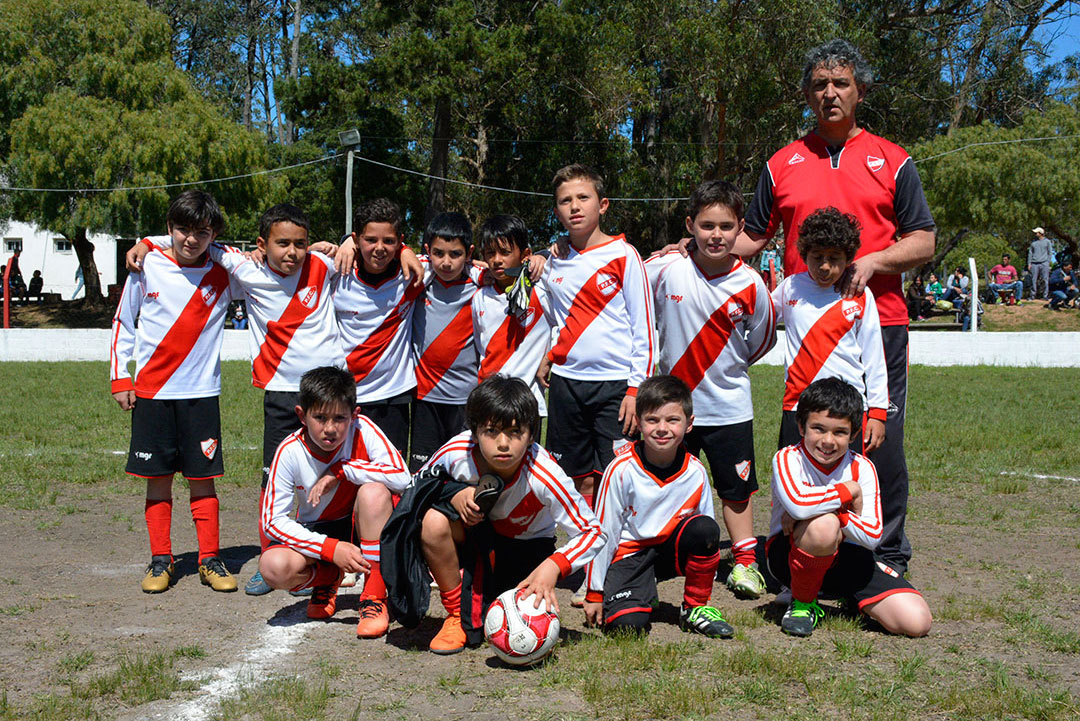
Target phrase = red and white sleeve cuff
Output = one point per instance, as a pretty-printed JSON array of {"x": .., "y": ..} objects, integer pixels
[
  {"x": 122, "y": 384},
  {"x": 326, "y": 553},
  {"x": 594, "y": 596},
  {"x": 564, "y": 565},
  {"x": 877, "y": 414},
  {"x": 632, "y": 391},
  {"x": 844, "y": 494}
]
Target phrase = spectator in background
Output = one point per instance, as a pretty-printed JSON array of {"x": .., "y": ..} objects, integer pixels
[
  {"x": 1039, "y": 254},
  {"x": 934, "y": 289},
  {"x": 956, "y": 287},
  {"x": 918, "y": 301},
  {"x": 78, "y": 282},
  {"x": 1063, "y": 285},
  {"x": 1003, "y": 276},
  {"x": 15, "y": 279},
  {"x": 769, "y": 274},
  {"x": 36, "y": 285},
  {"x": 239, "y": 316}
]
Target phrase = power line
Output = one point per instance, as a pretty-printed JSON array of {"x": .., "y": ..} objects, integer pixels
[
  {"x": 465, "y": 183},
  {"x": 172, "y": 185}
]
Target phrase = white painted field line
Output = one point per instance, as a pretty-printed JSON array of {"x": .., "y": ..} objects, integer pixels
[
  {"x": 1041, "y": 476},
  {"x": 273, "y": 643}
]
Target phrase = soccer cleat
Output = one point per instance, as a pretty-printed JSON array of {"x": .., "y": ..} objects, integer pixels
[
  {"x": 705, "y": 620},
  {"x": 212, "y": 573},
  {"x": 323, "y": 601},
  {"x": 578, "y": 599},
  {"x": 159, "y": 574},
  {"x": 302, "y": 593},
  {"x": 801, "y": 618},
  {"x": 746, "y": 581},
  {"x": 257, "y": 586},
  {"x": 374, "y": 618},
  {"x": 450, "y": 638},
  {"x": 783, "y": 598}
]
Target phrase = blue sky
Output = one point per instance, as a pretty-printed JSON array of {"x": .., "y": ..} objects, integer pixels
[{"x": 1065, "y": 36}]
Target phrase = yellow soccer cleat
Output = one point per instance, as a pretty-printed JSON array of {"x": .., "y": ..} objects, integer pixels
[
  {"x": 212, "y": 573},
  {"x": 159, "y": 575}
]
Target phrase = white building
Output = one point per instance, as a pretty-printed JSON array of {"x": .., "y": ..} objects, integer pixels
[{"x": 55, "y": 257}]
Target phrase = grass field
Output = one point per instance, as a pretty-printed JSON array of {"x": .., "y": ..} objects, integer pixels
[{"x": 994, "y": 519}]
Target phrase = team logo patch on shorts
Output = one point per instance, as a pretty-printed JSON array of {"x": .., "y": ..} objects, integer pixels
[
  {"x": 743, "y": 469},
  {"x": 209, "y": 447},
  {"x": 887, "y": 569}
]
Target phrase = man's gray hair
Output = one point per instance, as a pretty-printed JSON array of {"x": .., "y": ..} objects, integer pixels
[{"x": 837, "y": 53}]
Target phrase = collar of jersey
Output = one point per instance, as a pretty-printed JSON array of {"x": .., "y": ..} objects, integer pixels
[
  {"x": 356, "y": 274},
  {"x": 814, "y": 138},
  {"x": 172, "y": 260},
  {"x": 659, "y": 481},
  {"x": 614, "y": 238},
  {"x": 316, "y": 452},
  {"x": 716, "y": 275},
  {"x": 827, "y": 470},
  {"x": 299, "y": 270}
]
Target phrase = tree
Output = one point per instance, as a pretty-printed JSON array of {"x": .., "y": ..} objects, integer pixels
[
  {"x": 100, "y": 105},
  {"x": 1006, "y": 181}
]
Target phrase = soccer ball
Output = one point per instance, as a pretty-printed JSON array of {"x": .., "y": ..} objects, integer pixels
[{"x": 520, "y": 634}]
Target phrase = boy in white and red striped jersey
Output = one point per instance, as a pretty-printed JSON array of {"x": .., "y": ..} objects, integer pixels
[
  {"x": 604, "y": 349},
  {"x": 715, "y": 319},
  {"x": 442, "y": 337},
  {"x": 511, "y": 342},
  {"x": 374, "y": 305},
  {"x": 656, "y": 509},
  {"x": 826, "y": 520},
  {"x": 473, "y": 555},
  {"x": 826, "y": 334},
  {"x": 339, "y": 471},
  {"x": 293, "y": 328},
  {"x": 179, "y": 301}
]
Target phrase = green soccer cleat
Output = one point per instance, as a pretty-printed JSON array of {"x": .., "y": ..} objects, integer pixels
[
  {"x": 212, "y": 573},
  {"x": 159, "y": 574},
  {"x": 705, "y": 620},
  {"x": 746, "y": 581},
  {"x": 801, "y": 618}
]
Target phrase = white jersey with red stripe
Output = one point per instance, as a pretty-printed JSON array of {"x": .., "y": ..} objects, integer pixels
[
  {"x": 513, "y": 345},
  {"x": 603, "y": 311},
  {"x": 805, "y": 489},
  {"x": 442, "y": 338},
  {"x": 375, "y": 323},
  {"x": 829, "y": 336},
  {"x": 538, "y": 497},
  {"x": 711, "y": 329},
  {"x": 181, "y": 321},
  {"x": 638, "y": 510},
  {"x": 365, "y": 456}
]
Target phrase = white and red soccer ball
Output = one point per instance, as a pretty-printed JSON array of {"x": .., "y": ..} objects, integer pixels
[{"x": 520, "y": 634}]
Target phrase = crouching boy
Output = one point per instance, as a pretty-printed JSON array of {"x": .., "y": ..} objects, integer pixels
[
  {"x": 826, "y": 520},
  {"x": 315, "y": 549},
  {"x": 474, "y": 556},
  {"x": 656, "y": 509}
]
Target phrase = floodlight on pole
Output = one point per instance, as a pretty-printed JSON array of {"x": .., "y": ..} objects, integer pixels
[{"x": 348, "y": 139}]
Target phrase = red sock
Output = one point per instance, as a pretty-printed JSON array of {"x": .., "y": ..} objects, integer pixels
[
  {"x": 323, "y": 573},
  {"x": 700, "y": 572},
  {"x": 451, "y": 600},
  {"x": 159, "y": 526},
  {"x": 743, "y": 551},
  {"x": 374, "y": 587},
  {"x": 264, "y": 540},
  {"x": 204, "y": 511},
  {"x": 807, "y": 573}
]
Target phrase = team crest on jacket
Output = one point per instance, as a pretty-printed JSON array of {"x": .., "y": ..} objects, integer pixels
[
  {"x": 734, "y": 310},
  {"x": 209, "y": 447},
  {"x": 209, "y": 294},
  {"x": 308, "y": 297},
  {"x": 796, "y": 158},
  {"x": 850, "y": 309},
  {"x": 875, "y": 163},
  {"x": 606, "y": 283},
  {"x": 743, "y": 469}
]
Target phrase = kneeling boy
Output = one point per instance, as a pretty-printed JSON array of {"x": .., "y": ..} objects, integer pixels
[
  {"x": 476, "y": 556},
  {"x": 656, "y": 509},
  {"x": 826, "y": 520},
  {"x": 315, "y": 549}
]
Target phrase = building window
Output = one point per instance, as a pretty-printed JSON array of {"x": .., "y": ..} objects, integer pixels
[
  {"x": 61, "y": 245},
  {"x": 12, "y": 245}
]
